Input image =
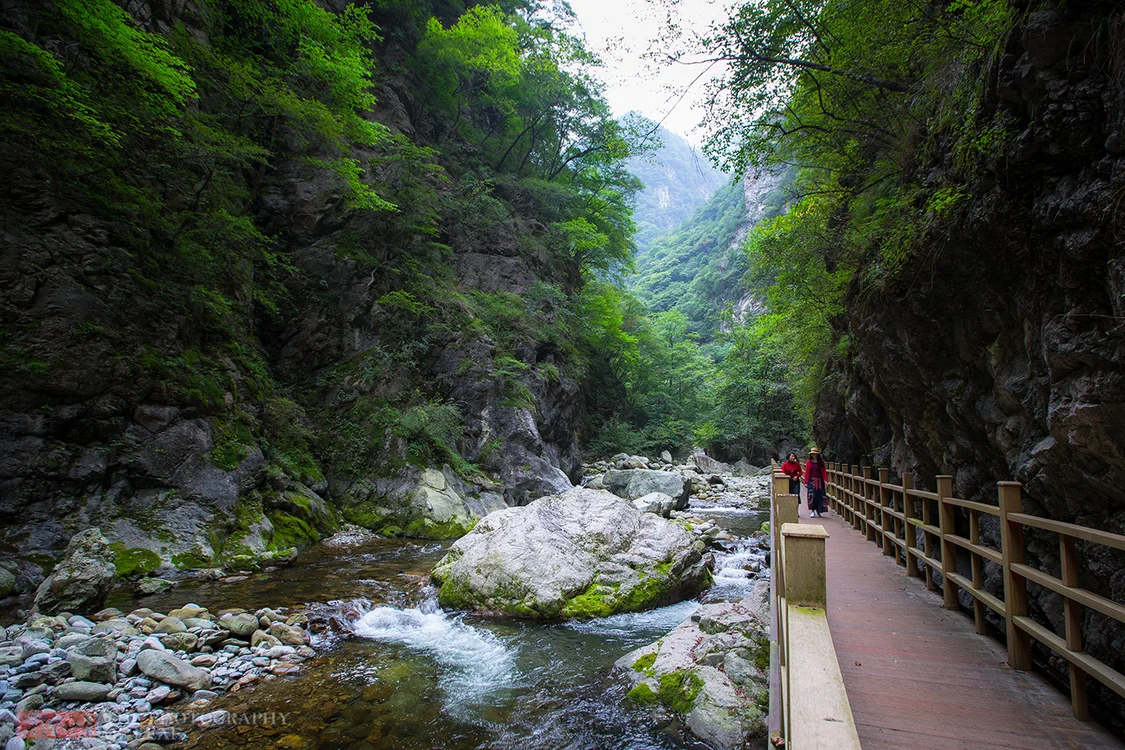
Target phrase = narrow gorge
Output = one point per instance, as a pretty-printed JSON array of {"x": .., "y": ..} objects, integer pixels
[{"x": 381, "y": 373}]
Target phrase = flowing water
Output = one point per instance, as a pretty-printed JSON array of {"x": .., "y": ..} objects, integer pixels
[{"x": 404, "y": 674}]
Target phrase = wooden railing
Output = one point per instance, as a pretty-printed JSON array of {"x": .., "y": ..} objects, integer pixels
[
  {"x": 919, "y": 529},
  {"x": 808, "y": 704}
]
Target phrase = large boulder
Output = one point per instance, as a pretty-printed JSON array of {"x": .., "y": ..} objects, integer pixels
[
  {"x": 709, "y": 465},
  {"x": 712, "y": 670},
  {"x": 634, "y": 483},
  {"x": 655, "y": 502},
  {"x": 584, "y": 553},
  {"x": 427, "y": 504},
  {"x": 82, "y": 580}
]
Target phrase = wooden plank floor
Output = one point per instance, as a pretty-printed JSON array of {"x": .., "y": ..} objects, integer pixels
[{"x": 916, "y": 674}]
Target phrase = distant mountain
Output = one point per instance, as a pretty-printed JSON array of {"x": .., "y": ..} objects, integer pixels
[
  {"x": 678, "y": 180},
  {"x": 698, "y": 268}
]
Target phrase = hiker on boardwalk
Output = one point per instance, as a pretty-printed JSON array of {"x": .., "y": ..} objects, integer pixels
[
  {"x": 792, "y": 469},
  {"x": 816, "y": 478}
]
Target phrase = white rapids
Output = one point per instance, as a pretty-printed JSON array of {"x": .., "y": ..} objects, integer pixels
[{"x": 474, "y": 661}]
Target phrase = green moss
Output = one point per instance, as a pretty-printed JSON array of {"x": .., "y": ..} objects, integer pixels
[
  {"x": 133, "y": 562},
  {"x": 288, "y": 439},
  {"x": 362, "y": 514},
  {"x": 679, "y": 689},
  {"x": 596, "y": 601},
  {"x": 190, "y": 560},
  {"x": 390, "y": 530},
  {"x": 17, "y": 360},
  {"x": 761, "y": 654},
  {"x": 454, "y": 595},
  {"x": 645, "y": 662},
  {"x": 643, "y": 695},
  {"x": 425, "y": 528},
  {"x": 290, "y": 531}
]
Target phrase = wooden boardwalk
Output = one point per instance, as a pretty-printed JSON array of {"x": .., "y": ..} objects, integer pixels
[{"x": 918, "y": 677}]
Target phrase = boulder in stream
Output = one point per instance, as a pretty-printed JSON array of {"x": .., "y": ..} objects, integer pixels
[
  {"x": 584, "y": 553},
  {"x": 634, "y": 483},
  {"x": 82, "y": 580},
  {"x": 712, "y": 670}
]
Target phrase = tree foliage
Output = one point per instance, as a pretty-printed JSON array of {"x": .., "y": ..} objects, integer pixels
[{"x": 852, "y": 97}]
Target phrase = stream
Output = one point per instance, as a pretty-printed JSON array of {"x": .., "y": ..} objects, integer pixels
[{"x": 405, "y": 674}]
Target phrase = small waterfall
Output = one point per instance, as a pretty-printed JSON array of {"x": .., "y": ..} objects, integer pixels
[{"x": 473, "y": 661}]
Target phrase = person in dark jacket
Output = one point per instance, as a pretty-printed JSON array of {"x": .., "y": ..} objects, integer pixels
[{"x": 816, "y": 482}]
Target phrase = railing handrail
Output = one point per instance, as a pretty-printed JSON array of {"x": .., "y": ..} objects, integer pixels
[
  {"x": 809, "y": 706},
  {"x": 872, "y": 507}
]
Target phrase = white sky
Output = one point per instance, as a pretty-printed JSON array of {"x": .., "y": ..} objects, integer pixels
[{"x": 621, "y": 32}]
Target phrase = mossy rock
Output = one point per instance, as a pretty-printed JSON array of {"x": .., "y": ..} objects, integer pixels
[
  {"x": 134, "y": 562},
  {"x": 679, "y": 689},
  {"x": 290, "y": 531},
  {"x": 643, "y": 695},
  {"x": 425, "y": 528},
  {"x": 191, "y": 561}
]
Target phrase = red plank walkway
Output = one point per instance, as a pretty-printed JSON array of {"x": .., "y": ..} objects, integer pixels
[{"x": 916, "y": 674}]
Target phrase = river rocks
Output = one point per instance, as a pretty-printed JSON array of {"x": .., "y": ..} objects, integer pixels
[
  {"x": 180, "y": 641},
  {"x": 84, "y": 692},
  {"x": 712, "y": 670},
  {"x": 634, "y": 483},
  {"x": 93, "y": 660},
  {"x": 242, "y": 625},
  {"x": 584, "y": 553},
  {"x": 66, "y": 668},
  {"x": 163, "y": 666},
  {"x": 82, "y": 580},
  {"x": 289, "y": 635},
  {"x": 171, "y": 624},
  {"x": 655, "y": 502},
  {"x": 7, "y": 582}
]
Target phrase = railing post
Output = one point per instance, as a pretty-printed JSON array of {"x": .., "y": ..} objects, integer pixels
[
  {"x": 946, "y": 521},
  {"x": 909, "y": 530},
  {"x": 1073, "y": 610},
  {"x": 780, "y": 484},
  {"x": 868, "y": 504},
  {"x": 884, "y": 501},
  {"x": 928, "y": 543},
  {"x": 978, "y": 573},
  {"x": 1015, "y": 586},
  {"x": 805, "y": 572},
  {"x": 852, "y": 495},
  {"x": 784, "y": 512}
]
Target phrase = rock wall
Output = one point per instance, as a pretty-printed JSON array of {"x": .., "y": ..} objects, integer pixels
[
  {"x": 998, "y": 354},
  {"x": 93, "y": 433}
]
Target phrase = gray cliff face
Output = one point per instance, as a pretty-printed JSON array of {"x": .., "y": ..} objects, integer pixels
[{"x": 1000, "y": 355}]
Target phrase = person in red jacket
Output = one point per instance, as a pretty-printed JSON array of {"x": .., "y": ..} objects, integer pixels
[
  {"x": 792, "y": 469},
  {"x": 816, "y": 481}
]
